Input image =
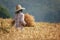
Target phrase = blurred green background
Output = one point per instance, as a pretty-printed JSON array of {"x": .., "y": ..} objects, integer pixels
[
  {"x": 4, "y": 13},
  {"x": 42, "y": 10}
]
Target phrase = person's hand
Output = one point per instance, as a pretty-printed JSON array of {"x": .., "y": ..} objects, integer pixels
[{"x": 24, "y": 23}]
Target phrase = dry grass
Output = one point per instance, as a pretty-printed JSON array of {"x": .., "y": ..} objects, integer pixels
[{"x": 41, "y": 31}]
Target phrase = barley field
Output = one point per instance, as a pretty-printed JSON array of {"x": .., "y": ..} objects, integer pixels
[{"x": 41, "y": 31}]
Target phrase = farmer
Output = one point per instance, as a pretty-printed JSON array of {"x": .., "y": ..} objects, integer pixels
[{"x": 19, "y": 17}]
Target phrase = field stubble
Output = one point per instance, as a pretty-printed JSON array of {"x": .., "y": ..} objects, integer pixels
[{"x": 41, "y": 31}]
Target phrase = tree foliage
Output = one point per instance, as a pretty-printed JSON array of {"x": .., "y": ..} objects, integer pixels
[{"x": 4, "y": 13}]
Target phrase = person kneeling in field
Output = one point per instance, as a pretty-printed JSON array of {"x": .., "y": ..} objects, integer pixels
[{"x": 19, "y": 17}]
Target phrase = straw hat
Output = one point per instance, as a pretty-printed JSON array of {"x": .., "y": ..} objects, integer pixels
[{"x": 19, "y": 7}]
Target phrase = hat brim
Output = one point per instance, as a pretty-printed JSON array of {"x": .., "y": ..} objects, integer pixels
[{"x": 20, "y": 9}]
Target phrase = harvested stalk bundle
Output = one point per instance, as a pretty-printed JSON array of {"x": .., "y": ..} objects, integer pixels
[{"x": 29, "y": 19}]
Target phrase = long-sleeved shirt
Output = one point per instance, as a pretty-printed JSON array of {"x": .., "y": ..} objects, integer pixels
[{"x": 19, "y": 18}]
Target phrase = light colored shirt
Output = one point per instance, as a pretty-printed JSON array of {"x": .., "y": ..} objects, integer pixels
[{"x": 19, "y": 18}]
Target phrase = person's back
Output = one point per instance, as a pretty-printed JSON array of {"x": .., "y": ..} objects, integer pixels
[{"x": 19, "y": 18}]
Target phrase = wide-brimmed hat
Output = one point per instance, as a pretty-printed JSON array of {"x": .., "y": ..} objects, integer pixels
[{"x": 19, "y": 7}]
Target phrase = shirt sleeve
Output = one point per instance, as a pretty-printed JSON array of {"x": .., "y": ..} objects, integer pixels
[{"x": 21, "y": 16}]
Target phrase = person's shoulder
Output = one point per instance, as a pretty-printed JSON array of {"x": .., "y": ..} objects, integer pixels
[{"x": 21, "y": 14}]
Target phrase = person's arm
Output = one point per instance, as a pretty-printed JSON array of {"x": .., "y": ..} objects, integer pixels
[
  {"x": 22, "y": 19},
  {"x": 13, "y": 22}
]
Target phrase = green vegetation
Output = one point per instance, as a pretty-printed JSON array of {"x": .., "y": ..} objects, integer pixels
[{"x": 4, "y": 13}]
